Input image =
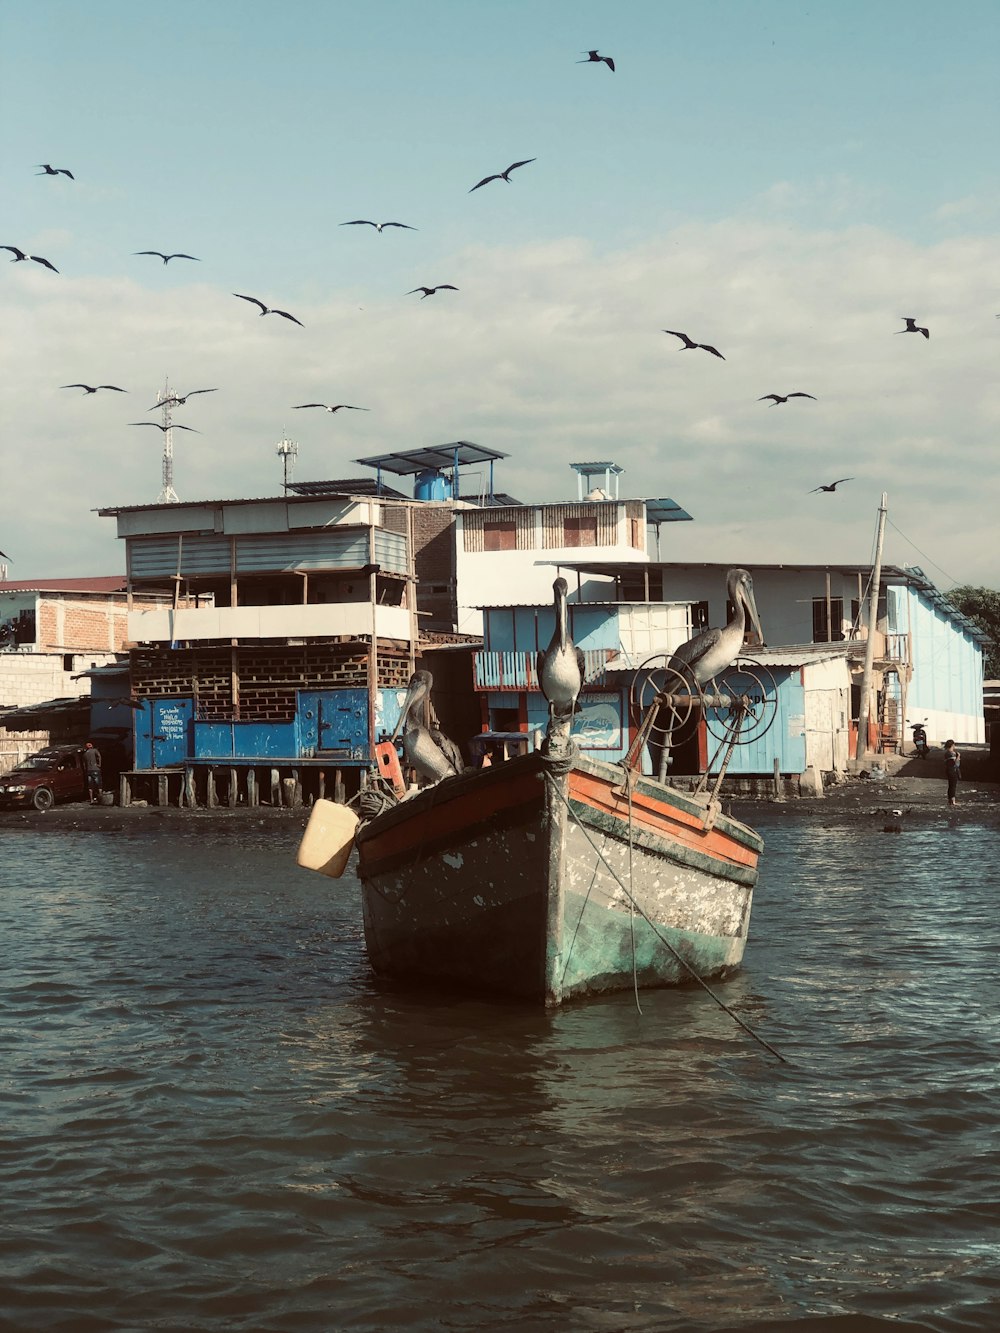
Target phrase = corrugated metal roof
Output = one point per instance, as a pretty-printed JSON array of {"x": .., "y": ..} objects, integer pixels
[{"x": 103, "y": 583}]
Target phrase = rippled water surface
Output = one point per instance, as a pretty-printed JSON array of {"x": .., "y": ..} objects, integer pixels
[{"x": 214, "y": 1118}]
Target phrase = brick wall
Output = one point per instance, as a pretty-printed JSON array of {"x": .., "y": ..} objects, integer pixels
[
  {"x": 434, "y": 562},
  {"x": 36, "y": 678},
  {"x": 92, "y": 624}
]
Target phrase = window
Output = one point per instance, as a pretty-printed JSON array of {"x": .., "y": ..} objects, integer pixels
[
  {"x": 821, "y": 626},
  {"x": 635, "y": 531},
  {"x": 580, "y": 531},
  {"x": 499, "y": 534},
  {"x": 699, "y": 617}
]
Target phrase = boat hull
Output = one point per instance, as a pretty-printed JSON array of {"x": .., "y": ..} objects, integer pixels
[{"x": 545, "y": 882}]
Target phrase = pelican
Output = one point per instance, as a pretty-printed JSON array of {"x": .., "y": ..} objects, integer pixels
[
  {"x": 426, "y": 749},
  {"x": 561, "y": 666},
  {"x": 713, "y": 650}
]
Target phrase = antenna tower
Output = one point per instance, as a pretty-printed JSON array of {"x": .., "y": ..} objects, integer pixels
[
  {"x": 167, "y": 495},
  {"x": 287, "y": 451}
]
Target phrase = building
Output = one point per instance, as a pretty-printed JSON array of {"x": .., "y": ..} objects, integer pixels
[{"x": 52, "y": 632}]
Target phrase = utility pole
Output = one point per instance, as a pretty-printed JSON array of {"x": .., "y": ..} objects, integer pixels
[{"x": 864, "y": 710}]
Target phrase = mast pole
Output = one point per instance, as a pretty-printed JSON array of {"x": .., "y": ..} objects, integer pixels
[{"x": 864, "y": 709}]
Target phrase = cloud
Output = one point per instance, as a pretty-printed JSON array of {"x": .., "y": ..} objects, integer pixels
[{"x": 551, "y": 353}]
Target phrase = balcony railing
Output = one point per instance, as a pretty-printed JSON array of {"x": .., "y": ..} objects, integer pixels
[{"x": 518, "y": 671}]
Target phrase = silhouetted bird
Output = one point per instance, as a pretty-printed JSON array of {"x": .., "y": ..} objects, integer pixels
[
  {"x": 334, "y": 408},
  {"x": 20, "y": 255},
  {"x": 176, "y": 399},
  {"x": 502, "y": 175},
  {"x": 594, "y": 58},
  {"x": 164, "y": 428},
  {"x": 363, "y": 222},
  {"x": 913, "y": 327},
  {"x": 92, "y": 388},
  {"x": 690, "y": 345},
  {"x": 783, "y": 398},
  {"x": 46, "y": 170},
  {"x": 429, "y": 291},
  {"x": 166, "y": 258},
  {"x": 834, "y": 484},
  {"x": 266, "y": 310}
]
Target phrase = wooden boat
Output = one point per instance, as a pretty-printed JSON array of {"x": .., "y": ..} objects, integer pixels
[{"x": 547, "y": 878}]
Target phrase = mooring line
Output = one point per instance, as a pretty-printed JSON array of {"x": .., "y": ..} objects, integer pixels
[{"x": 683, "y": 961}]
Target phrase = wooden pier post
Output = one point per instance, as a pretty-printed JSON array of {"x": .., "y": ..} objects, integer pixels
[{"x": 252, "y": 797}]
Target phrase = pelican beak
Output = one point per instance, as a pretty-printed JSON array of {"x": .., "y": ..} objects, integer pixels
[
  {"x": 751, "y": 608},
  {"x": 413, "y": 693}
]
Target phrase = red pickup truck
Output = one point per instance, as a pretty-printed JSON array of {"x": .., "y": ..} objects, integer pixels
[{"x": 53, "y": 774}]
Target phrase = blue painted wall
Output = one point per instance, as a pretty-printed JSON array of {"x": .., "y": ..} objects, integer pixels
[
  {"x": 527, "y": 629},
  {"x": 947, "y": 661}
]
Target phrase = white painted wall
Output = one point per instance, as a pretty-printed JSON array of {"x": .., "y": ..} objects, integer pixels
[{"x": 268, "y": 622}]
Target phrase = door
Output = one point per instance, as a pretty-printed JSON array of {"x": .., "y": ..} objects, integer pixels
[
  {"x": 343, "y": 724},
  {"x": 173, "y": 725}
]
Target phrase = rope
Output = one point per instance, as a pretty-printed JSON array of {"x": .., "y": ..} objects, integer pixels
[
  {"x": 631, "y": 900},
  {"x": 683, "y": 961}
]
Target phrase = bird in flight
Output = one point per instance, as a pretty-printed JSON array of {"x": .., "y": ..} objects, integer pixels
[
  {"x": 429, "y": 291},
  {"x": 784, "y": 397},
  {"x": 594, "y": 58},
  {"x": 178, "y": 400},
  {"x": 690, "y": 344},
  {"x": 502, "y": 175},
  {"x": 164, "y": 428},
  {"x": 92, "y": 388},
  {"x": 166, "y": 258},
  {"x": 47, "y": 170},
  {"x": 363, "y": 222},
  {"x": 913, "y": 327},
  {"x": 833, "y": 484},
  {"x": 334, "y": 408},
  {"x": 266, "y": 310},
  {"x": 20, "y": 254}
]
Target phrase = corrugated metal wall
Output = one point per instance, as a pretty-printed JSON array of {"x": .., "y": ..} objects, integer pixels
[{"x": 262, "y": 553}]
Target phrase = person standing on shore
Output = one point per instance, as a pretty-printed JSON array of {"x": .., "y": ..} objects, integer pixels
[
  {"x": 953, "y": 769},
  {"x": 92, "y": 769}
]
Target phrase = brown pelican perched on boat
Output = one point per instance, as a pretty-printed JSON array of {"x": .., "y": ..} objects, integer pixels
[
  {"x": 426, "y": 748},
  {"x": 561, "y": 666},
  {"x": 711, "y": 651}
]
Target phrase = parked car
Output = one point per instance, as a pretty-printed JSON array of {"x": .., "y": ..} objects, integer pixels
[{"x": 53, "y": 774}]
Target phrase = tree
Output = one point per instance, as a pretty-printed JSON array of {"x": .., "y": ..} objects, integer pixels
[{"x": 982, "y": 607}]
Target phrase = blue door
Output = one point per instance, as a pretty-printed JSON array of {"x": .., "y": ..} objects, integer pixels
[
  {"x": 173, "y": 726},
  {"x": 343, "y": 724}
]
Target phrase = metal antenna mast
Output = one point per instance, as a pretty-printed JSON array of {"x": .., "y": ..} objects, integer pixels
[
  {"x": 167, "y": 493},
  {"x": 287, "y": 451}
]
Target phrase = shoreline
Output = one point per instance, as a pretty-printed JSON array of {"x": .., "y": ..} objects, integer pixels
[{"x": 904, "y": 801}]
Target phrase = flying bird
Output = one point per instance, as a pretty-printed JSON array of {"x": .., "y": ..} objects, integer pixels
[
  {"x": 834, "y": 484},
  {"x": 689, "y": 344},
  {"x": 47, "y": 170},
  {"x": 503, "y": 175},
  {"x": 20, "y": 254},
  {"x": 265, "y": 310},
  {"x": 335, "y": 408},
  {"x": 364, "y": 222},
  {"x": 166, "y": 258},
  {"x": 164, "y": 428},
  {"x": 178, "y": 400},
  {"x": 429, "y": 291},
  {"x": 913, "y": 327},
  {"x": 92, "y": 388},
  {"x": 783, "y": 398},
  {"x": 594, "y": 58}
]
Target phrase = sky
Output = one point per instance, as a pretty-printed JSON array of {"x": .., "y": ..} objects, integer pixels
[{"x": 784, "y": 181}]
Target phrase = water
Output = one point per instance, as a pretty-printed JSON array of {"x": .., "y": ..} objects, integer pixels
[{"x": 214, "y": 1118}]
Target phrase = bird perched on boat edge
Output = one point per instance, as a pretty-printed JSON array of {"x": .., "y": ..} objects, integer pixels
[
  {"x": 426, "y": 748},
  {"x": 913, "y": 327},
  {"x": 706, "y": 654},
  {"x": 561, "y": 666},
  {"x": 594, "y": 58}
]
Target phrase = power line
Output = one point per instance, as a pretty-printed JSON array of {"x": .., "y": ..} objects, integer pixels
[{"x": 948, "y": 576}]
